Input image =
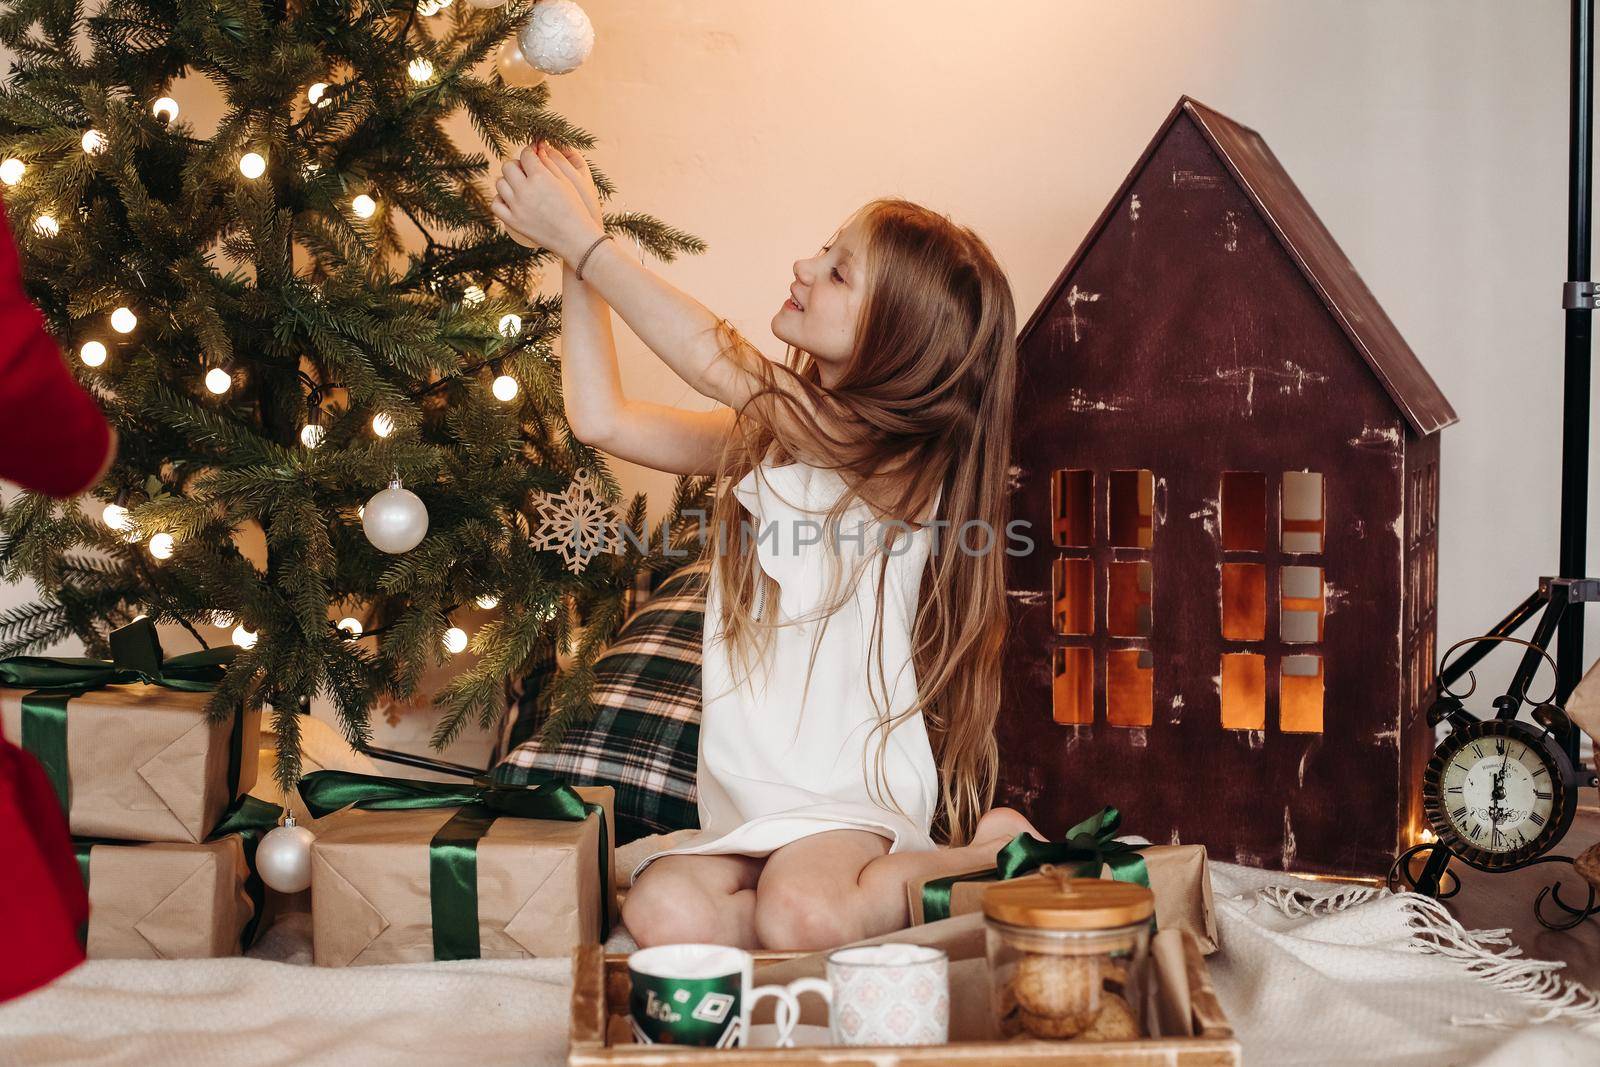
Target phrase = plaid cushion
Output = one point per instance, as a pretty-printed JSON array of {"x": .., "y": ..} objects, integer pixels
[{"x": 644, "y": 738}]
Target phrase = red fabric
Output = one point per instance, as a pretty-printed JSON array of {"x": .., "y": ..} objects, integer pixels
[
  {"x": 53, "y": 437},
  {"x": 42, "y": 897}
]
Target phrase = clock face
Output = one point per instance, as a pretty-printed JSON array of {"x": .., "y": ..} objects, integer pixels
[{"x": 1495, "y": 794}]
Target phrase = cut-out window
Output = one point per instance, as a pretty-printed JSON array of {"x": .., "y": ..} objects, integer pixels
[
  {"x": 1074, "y": 596},
  {"x": 1128, "y": 603},
  {"x": 1433, "y": 495},
  {"x": 1300, "y": 695},
  {"x": 1129, "y": 689},
  {"x": 1301, "y": 619},
  {"x": 1072, "y": 687},
  {"x": 1244, "y": 511},
  {"x": 1132, "y": 499},
  {"x": 1244, "y": 601},
  {"x": 1244, "y": 691},
  {"x": 1072, "y": 507},
  {"x": 1303, "y": 521}
]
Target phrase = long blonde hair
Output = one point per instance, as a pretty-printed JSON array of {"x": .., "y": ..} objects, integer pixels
[{"x": 926, "y": 398}]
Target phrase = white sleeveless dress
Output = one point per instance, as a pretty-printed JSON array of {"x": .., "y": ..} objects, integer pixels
[{"x": 780, "y": 761}]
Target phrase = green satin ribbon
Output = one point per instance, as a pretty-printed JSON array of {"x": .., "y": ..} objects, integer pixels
[
  {"x": 1088, "y": 848},
  {"x": 249, "y": 817},
  {"x": 453, "y": 851},
  {"x": 56, "y": 680}
]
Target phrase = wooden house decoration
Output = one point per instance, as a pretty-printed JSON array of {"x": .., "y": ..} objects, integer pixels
[{"x": 1229, "y": 459}]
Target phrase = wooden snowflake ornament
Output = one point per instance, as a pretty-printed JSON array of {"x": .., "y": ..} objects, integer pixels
[{"x": 576, "y": 522}]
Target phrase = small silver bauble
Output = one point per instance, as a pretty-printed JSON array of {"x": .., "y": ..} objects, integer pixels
[
  {"x": 395, "y": 519},
  {"x": 283, "y": 858},
  {"x": 558, "y": 36}
]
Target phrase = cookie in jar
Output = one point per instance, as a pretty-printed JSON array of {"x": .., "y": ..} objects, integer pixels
[{"x": 1067, "y": 956}]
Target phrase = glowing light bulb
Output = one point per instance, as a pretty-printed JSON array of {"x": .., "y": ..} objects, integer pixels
[
  {"x": 226, "y": 619},
  {"x": 93, "y": 353},
  {"x": 510, "y": 325},
  {"x": 315, "y": 94},
  {"x": 166, "y": 109},
  {"x": 115, "y": 516},
  {"x": 312, "y": 434},
  {"x": 428, "y": 7},
  {"x": 505, "y": 388},
  {"x": 123, "y": 320},
  {"x": 382, "y": 424},
  {"x": 12, "y": 170},
  {"x": 472, "y": 296},
  {"x": 252, "y": 165},
  {"x": 488, "y": 602},
  {"x": 161, "y": 546},
  {"x": 351, "y": 626},
  {"x": 46, "y": 226},
  {"x": 455, "y": 640},
  {"x": 420, "y": 69},
  {"x": 364, "y": 206},
  {"x": 244, "y": 638},
  {"x": 94, "y": 142},
  {"x": 218, "y": 380}
]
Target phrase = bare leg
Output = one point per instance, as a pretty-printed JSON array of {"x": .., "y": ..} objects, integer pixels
[
  {"x": 694, "y": 898},
  {"x": 844, "y": 885}
]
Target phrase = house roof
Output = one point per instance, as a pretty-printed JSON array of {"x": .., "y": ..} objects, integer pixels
[{"x": 1312, "y": 248}]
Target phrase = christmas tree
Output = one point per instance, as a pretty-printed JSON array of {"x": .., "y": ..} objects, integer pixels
[{"x": 285, "y": 317}]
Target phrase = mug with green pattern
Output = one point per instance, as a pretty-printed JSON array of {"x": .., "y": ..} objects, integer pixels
[{"x": 700, "y": 995}]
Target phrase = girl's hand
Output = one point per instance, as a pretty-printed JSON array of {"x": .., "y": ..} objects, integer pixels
[
  {"x": 538, "y": 203},
  {"x": 570, "y": 163}
]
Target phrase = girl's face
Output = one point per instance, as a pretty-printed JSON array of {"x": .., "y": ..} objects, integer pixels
[{"x": 819, "y": 316}]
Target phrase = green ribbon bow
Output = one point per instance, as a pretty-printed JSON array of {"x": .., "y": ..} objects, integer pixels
[
  {"x": 453, "y": 852},
  {"x": 136, "y": 658},
  {"x": 249, "y": 817},
  {"x": 1087, "y": 849}
]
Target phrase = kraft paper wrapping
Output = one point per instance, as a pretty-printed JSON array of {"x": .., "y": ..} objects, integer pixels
[
  {"x": 538, "y": 885},
  {"x": 143, "y": 762},
  {"x": 166, "y": 900},
  {"x": 1180, "y": 877}
]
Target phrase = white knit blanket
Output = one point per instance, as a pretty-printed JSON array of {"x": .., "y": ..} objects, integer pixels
[{"x": 1309, "y": 974}]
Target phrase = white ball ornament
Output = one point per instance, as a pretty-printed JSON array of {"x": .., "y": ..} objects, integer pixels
[
  {"x": 558, "y": 37},
  {"x": 395, "y": 519},
  {"x": 514, "y": 67},
  {"x": 283, "y": 858}
]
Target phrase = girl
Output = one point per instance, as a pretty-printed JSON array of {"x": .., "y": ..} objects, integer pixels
[{"x": 851, "y": 654}]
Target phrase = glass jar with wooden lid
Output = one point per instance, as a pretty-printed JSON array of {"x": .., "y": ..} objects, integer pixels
[{"x": 1067, "y": 955}]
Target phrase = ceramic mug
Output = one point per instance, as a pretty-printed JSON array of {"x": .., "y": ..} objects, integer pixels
[
  {"x": 890, "y": 994},
  {"x": 692, "y": 994}
]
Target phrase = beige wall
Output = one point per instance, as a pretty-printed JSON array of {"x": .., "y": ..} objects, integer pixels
[{"x": 1430, "y": 137}]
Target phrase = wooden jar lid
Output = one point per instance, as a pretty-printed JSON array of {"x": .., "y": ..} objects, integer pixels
[{"x": 1054, "y": 902}]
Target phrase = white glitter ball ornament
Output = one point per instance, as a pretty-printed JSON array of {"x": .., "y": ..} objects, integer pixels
[
  {"x": 395, "y": 520},
  {"x": 283, "y": 858},
  {"x": 558, "y": 36}
]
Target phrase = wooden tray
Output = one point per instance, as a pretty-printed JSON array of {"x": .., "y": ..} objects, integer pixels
[{"x": 601, "y": 1035}]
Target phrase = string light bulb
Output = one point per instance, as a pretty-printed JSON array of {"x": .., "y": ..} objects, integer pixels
[
  {"x": 488, "y": 602},
  {"x": 382, "y": 424},
  {"x": 364, "y": 206},
  {"x": 505, "y": 388},
  {"x": 93, "y": 353},
  {"x": 455, "y": 640},
  {"x": 115, "y": 516},
  {"x": 162, "y": 545},
  {"x": 420, "y": 69},
  {"x": 94, "y": 142},
  {"x": 472, "y": 296},
  {"x": 123, "y": 320},
  {"x": 218, "y": 381},
  {"x": 351, "y": 625},
  {"x": 46, "y": 226},
  {"x": 510, "y": 325},
  {"x": 312, "y": 434},
  {"x": 12, "y": 170},
  {"x": 244, "y": 638},
  {"x": 252, "y": 165},
  {"x": 317, "y": 94},
  {"x": 165, "y": 109},
  {"x": 225, "y": 619}
]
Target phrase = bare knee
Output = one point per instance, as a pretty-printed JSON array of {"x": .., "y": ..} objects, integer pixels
[
  {"x": 665, "y": 907},
  {"x": 794, "y": 917}
]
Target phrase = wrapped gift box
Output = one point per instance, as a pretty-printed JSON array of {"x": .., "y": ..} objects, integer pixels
[
  {"x": 538, "y": 884},
  {"x": 1180, "y": 878},
  {"x": 165, "y": 899},
  {"x": 143, "y": 762}
]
